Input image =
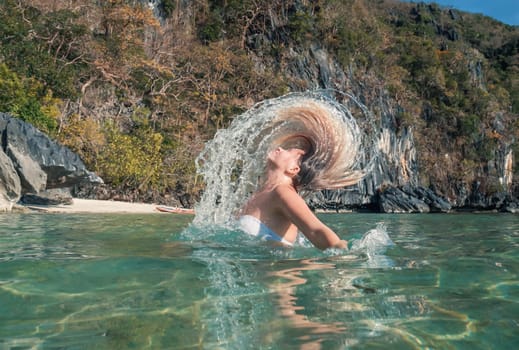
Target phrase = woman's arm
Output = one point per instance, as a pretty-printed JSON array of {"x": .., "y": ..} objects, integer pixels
[{"x": 296, "y": 210}]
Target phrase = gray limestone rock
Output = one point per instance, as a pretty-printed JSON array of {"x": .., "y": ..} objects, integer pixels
[
  {"x": 31, "y": 165},
  {"x": 10, "y": 187},
  {"x": 32, "y": 150}
]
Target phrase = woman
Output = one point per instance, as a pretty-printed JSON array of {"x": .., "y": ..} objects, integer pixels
[
  {"x": 295, "y": 145},
  {"x": 277, "y": 212}
]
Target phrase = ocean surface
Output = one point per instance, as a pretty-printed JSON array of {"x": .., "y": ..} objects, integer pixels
[{"x": 446, "y": 281}]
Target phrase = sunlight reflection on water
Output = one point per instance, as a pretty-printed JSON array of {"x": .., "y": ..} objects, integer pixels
[{"x": 121, "y": 281}]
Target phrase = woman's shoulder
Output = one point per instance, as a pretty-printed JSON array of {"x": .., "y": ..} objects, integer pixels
[{"x": 284, "y": 191}]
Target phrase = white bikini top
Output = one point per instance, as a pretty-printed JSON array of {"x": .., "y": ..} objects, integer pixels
[{"x": 255, "y": 227}]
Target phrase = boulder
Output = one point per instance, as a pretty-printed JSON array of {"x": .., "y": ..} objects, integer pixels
[
  {"x": 32, "y": 150},
  {"x": 32, "y": 177},
  {"x": 511, "y": 206},
  {"x": 408, "y": 199},
  {"x": 10, "y": 187},
  {"x": 394, "y": 200},
  {"x": 436, "y": 203},
  {"x": 53, "y": 196},
  {"x": 36, "y": 167}
]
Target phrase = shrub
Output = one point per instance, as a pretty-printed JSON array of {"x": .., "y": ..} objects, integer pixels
[
  {"x": 131, "y": 160},
  {"x": 24, "y": 99}
]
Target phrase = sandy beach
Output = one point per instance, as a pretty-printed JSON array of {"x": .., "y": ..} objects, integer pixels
[{"x": 95, "y": 206}]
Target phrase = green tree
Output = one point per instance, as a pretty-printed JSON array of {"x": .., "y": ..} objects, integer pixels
[
  {"x": 46, "y": 46},
  {"x": 22, "y": 99}
]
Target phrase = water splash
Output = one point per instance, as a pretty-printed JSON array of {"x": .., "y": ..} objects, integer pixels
[
  {"x": 374, "y": 244},
  {"x": 232, "y": 166},
  {"x": 232, "y": 163}
]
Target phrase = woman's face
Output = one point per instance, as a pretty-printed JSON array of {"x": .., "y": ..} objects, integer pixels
[{"x": 288, "y": 160}]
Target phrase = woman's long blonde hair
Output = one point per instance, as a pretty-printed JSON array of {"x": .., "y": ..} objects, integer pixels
[
  {"x": 331, "y": 146},
  {"x": 233, "y": 162}
]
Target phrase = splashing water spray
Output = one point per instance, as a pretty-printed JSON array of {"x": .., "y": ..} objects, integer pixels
[
  {"x": 342, "y": 135},
  {"x": 343, "y": 138}
]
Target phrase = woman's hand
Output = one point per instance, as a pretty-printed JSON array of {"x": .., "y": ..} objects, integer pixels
[{"x": 342, "y": 244}]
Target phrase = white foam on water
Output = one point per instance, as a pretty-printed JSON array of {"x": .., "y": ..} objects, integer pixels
[{"x": 374, "y": 244}]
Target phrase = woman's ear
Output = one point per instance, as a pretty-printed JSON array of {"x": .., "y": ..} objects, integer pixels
[{"x": 293, "y": 170}]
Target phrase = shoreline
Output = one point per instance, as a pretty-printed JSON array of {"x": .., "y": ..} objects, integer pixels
[
  {"x": 92, "y": 206},
  {"x": 96, "y": 206}
]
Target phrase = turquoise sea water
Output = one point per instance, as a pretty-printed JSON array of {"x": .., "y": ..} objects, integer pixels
[{"x": 155, "y": 282}]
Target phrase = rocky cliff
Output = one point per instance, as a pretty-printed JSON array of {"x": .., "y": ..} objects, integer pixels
[
  {"x": 396, "y": 182},
  {"x": 400, "y": 179},
  {"x": 393, "y": 185}
]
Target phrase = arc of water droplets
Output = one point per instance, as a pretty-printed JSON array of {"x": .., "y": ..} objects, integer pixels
[{"x": 233, "y": 161}]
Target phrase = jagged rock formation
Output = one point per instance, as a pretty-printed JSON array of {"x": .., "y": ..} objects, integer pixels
[
  {"x": 396, "y": 164},
  {"x": 393, "y": 185},
  {"x": 408, "y": 199},
  {"x": 34, "y": 167}
]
